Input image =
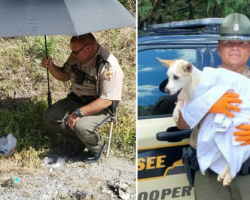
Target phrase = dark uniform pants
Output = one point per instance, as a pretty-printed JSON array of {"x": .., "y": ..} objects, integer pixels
[
  {"x": 85, "y": 130},
  {"x": 208, "y": 188}
]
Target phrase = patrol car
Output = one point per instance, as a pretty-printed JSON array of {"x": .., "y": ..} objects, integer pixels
[{"x": 161, "y": 173}]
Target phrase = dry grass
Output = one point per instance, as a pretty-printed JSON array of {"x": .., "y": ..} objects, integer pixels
[
  {"x": 23, "y": 80},
  {"x": 23, "y": 77},
  {"x": 7, "y": 166}
]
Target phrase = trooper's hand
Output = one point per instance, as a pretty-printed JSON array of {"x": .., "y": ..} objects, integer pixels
[
  {"x": 243, "y": 135},
  {"x": 47, "y": 62},
  {"x": 72, "y": 119},
  {"x": 224, "y": 104}
]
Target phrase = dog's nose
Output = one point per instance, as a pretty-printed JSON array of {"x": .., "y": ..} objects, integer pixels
[{"x": 167, "y": 91}]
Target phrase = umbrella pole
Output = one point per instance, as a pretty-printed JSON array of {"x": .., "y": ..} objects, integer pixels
[{"x": 49, "y": 93}]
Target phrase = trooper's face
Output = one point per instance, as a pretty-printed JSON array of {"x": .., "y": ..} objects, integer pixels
[
  {"x": 81, "y": 51},
  {"x": 234, "y": 53}
]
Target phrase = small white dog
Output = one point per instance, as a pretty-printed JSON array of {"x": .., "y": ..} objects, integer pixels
[{"x": 182, "y": 75}]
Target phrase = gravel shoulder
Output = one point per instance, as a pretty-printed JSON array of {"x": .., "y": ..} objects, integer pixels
[{"x": 111, "y": 178}]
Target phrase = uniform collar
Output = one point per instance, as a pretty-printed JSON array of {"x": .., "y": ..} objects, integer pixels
[{"x": 247, "y": 72}]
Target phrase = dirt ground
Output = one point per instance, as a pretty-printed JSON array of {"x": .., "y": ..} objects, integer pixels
[{"x": 110, "y": 178}]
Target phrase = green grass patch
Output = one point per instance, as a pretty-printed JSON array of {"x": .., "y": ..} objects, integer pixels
[
  {"x": 23, "y": 89},
  {"x": 123, "y": 134},
  {"x": 39, "y": 46},
  {"x": 28, "y": 127}
]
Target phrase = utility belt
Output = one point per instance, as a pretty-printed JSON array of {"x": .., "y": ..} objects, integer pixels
[
  {"x": 190, "y": 161},
  {"x": 88, "y": 99},
  {"x": 82, "y": 99}
]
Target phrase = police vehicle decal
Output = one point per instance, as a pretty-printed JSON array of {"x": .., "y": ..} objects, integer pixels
[
  {"x": 158, "y": 162},
  {"x": 184, "y": 192}
]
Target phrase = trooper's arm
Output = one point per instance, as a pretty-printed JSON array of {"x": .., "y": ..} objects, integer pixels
[
  {"x": 95, "y": 106},
  {"x": 57, "y": 72},
  {"x": 223, "y": 105},
  {"x": 90, "y": 109}
]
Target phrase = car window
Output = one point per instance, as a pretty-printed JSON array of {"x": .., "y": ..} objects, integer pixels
[{"x": 151, "y": 75}]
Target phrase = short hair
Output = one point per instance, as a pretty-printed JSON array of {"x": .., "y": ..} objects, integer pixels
[{"x": 83, "y": 39}]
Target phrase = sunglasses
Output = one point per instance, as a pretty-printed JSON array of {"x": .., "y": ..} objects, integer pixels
[{"x": 75, "y": 53}]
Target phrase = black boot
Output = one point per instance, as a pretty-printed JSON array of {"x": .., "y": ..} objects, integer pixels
[{"x": 91, "y": 158}]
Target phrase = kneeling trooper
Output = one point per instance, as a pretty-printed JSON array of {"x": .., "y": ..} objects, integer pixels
[{"x": 234, "y": 50}]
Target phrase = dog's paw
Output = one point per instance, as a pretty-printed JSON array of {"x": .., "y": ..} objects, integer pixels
[
  {"x": 176, "y": 114},
  {"x": 223, "y": 173},
  {"x": 225, "y": 176},
  {"x": 227, "y": 180},
  {"x": 220, "y": 178}
]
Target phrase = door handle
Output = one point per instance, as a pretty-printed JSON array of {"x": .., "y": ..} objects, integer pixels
[{"x": 173, "y": 134}]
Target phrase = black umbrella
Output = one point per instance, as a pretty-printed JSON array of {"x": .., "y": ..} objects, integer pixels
[{"x": 61, "y": 17}]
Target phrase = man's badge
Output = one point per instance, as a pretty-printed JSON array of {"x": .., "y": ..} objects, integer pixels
[
  {"x": 109, "y": 73},
  {"x": 236, "y": 27},
  {"x": 92, "y": 72}
]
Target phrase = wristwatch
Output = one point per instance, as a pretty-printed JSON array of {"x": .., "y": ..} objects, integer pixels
[{"x": 78, "y": 113}]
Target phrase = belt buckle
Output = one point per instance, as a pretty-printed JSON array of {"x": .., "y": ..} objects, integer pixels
[
  {"x": 86, "y": 98},
  {"x": 82, "y": 99}
]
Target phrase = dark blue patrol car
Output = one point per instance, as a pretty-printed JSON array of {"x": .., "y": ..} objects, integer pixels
[{"x": 160, "y": 169}]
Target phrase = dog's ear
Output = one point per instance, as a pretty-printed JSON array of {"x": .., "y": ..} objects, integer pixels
[
  {"x": 187, "y": 67},
  {"x": 167, "y": 63}
]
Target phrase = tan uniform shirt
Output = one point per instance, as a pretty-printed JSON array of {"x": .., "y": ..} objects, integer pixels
[
  {"x": 194, "y": 134},
  {"x": 110, "y": 76}
]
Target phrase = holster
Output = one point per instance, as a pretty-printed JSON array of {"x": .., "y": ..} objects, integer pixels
[
  {"x": 112, "y": 108},
  {"x": 190, "y": 162}
]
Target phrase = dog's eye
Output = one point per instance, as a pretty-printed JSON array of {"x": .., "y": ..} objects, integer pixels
[{"x": 176, "y": 77}]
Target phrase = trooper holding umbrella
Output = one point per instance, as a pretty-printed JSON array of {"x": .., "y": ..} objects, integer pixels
[
  {"x": 95, "y": 73},
  {"x": 96, "y": 79}
]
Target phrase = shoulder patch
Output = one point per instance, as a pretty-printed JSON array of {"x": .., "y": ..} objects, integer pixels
[{"x": 109, "y": 73}]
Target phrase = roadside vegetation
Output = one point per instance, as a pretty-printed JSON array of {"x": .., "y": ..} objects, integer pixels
[
  {"x": 162, "y": 11},
  {"x": 23, "y": 90}
]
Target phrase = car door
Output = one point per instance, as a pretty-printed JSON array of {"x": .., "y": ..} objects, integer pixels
[{"x": 160, "y": 170}]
